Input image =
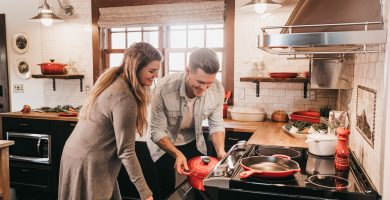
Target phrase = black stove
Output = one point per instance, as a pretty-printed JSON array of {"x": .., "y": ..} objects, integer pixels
[{"x": 317, "y": 178}]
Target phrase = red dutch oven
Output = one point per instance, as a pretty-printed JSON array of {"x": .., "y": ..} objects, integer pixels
[
  {"x": 52, "y": 68},
  {"x": 199, "y": 167}
]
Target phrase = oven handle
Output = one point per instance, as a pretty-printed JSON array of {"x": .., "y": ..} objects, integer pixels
[
  {"x": 23, "y": 158},
  {"x": 27, "y": 135},
  {"x": 39, "y": 146}
]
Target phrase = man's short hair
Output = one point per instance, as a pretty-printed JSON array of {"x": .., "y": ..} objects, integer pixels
[{"x": 206, "y": 59}]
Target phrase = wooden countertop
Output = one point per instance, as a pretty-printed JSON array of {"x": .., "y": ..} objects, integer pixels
[
  {"x": 271, "y": 133},
  {"x": 266, "y": 132},
  {"x": 38, "y": 115}
]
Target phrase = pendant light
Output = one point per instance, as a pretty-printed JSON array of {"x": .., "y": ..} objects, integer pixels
[
  {"x": 46, "y": 15},
  {"x": 260, "y": 6}
]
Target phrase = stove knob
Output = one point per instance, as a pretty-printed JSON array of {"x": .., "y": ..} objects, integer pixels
[
  {"x": 241, "y": 144},
  {"x": 221, "y": 170}
]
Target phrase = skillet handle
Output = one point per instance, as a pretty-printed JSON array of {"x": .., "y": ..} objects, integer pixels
[
  {"x": 281, "y": 156},
  {"x": 247, "y": 174}
]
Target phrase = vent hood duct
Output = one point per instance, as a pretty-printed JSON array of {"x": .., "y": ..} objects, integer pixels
[{"x": 328, "y": 27}]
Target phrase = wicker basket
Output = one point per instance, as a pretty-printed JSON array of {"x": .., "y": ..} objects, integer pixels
[{"x": 279, "y": 116}]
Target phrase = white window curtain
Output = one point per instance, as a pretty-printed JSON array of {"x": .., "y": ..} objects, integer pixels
[{"x": 158, "y": 14}]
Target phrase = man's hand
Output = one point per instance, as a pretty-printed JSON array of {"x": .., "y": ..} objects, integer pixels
[
  {"x": 181, "y": 164},
  {"x": 149, "y": 198},
  {"x": 221, "y": 154}
]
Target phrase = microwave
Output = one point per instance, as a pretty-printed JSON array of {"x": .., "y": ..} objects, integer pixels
[{"x": 30, "y": 147}]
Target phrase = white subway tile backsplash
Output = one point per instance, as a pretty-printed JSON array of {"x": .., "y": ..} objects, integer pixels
[
  {"x": 294, "y": 93},
  {"x": 277, "y": 92}
]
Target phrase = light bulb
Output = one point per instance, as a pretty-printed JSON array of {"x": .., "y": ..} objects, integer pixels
[
  {"x": 260, "y": 8},
  {"x": 46, "y": 22}
]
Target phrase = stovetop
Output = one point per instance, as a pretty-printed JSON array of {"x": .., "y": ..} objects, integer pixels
[{"x": 317, "y": 177}]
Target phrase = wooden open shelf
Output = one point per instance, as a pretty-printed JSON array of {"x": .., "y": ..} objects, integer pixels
[
  {"x": 257, "y": 80},
  {"x": 61, "y": 76}
]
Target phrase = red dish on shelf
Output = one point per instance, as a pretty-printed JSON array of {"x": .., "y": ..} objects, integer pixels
[
  {"x": 283, "y": 75},
  {"x": 308, "y": 116}
]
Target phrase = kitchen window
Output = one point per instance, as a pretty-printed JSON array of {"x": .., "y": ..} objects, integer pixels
[
  {"x": 202, "y": 23},
  {"x": 181, "y": 40}
]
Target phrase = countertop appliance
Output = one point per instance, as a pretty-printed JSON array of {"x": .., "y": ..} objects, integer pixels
[{"x": 224, "y": 181}]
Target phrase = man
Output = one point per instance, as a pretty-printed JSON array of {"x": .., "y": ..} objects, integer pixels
[{"x": 179, "y": 105}]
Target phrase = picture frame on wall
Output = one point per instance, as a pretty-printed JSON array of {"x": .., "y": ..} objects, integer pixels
[
  {"x": 20, "y": 43},
  {"x": 365, "y": 113}
]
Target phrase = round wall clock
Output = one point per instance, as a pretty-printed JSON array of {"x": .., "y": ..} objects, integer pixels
[{"x": 20, "y": 43}]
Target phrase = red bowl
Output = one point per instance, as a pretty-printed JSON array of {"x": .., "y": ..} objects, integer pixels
[{"x": 283, "y": 75}]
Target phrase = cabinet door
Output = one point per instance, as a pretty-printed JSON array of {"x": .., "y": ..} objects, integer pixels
[
  {"x": 25, "y": 125},
  {"x": 127, "y": 188},
  {"x": 61, "y": 132}
]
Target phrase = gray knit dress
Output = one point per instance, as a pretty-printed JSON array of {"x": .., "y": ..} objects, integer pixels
[{"x": 97, "y": 147}]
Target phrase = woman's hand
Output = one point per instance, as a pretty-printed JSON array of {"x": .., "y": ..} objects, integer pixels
[
  {"x": 149, "y": 198},
  {"x": 181, "y": 164}
]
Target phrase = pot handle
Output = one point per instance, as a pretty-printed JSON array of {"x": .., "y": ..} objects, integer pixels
[{"x": 246, "y": 174}]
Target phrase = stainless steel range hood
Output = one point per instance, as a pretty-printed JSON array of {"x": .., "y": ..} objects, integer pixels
[{"x": 328, "y": 27}]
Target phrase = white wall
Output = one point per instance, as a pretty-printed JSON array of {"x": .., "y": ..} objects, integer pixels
[
  {"x": 67, "y": 41},
  {"x": 385, "y": 154},
  {"x": 273, "y": 96},
  {"x": 64, "y": 41},
  {"x": 17, "y": 14}
]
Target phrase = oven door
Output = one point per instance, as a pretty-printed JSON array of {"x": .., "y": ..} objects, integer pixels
[{"x": 30, "y": 147}]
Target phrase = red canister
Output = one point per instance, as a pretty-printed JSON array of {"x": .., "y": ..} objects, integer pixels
[
  {"x": 199, "y": 167},
  {"x": 342, "y": 151}
]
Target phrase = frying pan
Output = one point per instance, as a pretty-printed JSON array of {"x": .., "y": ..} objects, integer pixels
[
  {"x": 277, "y": 166},
  {"x": 271, "y": 151}
]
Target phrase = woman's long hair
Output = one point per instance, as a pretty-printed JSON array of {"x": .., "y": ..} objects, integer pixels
[{"x": 136, "y": 57}]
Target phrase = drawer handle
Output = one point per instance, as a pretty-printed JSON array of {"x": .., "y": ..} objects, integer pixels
[
  {"x": 234, "y": 139},
  {"x": 73, "y": 125},
  {"x": 25, "y": 170},
  {"x": 23, "y": 124}
]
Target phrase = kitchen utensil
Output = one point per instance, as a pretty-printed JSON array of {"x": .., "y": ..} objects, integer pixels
[
  {"x": 227, "y": 95},
  {"x": 322, "y": 144},
  {"x": 52, "y": 68},
  {"x": 320, "y": 164},
  {"x": 277, "y": 166},
  {"x": 279, "y": 116},
  {"x": 283, "y": 75},
  {"x": 199, "y": 167},
  {"x": 309, "y": 116},
  {"x": 271, "y": 151},
  {"x": 248, "y": 114}
]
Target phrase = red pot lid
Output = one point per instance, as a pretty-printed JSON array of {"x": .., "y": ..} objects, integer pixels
[{"x": 200, "y": 166}]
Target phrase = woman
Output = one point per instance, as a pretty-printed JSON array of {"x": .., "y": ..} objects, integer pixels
[{"x": 104, "y": 137}]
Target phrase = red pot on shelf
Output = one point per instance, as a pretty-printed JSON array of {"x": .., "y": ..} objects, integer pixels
[
  {"x": 52, "y": 68},
  {"x": 199, "y": 167}
]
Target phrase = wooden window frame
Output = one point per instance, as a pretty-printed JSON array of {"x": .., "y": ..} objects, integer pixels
[{"x": 227, "y": 71}]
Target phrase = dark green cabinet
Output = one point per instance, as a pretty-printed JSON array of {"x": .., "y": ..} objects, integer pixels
[{"x": 28, "y": 177}]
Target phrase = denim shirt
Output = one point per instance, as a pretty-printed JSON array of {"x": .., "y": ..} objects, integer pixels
[{"x": 168, "y": 106}]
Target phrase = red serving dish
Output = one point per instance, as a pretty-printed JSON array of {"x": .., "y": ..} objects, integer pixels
[
  {"x": 283, "y": 75},
  {"x": 308, "y": 116}
]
